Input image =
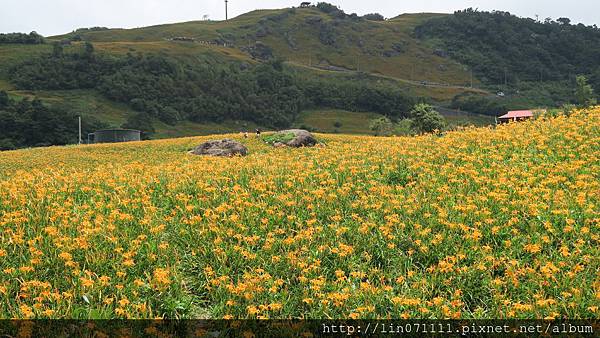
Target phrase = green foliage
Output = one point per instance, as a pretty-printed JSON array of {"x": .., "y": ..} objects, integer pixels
[
  {"x": 57, "y": 50},
  {"x": 401, "y": 175},
  {"x": 91, "y": 29},
  {"x": 382, "y": 126},
  {"x": 7, "y": 144},
  {"x": 356, "y": 95},
  {"x": 494, "y": 42},
  {"x": 425, "y": 119},
  {"x": 140, "y": 121},
  {"x": 61, "y": 71},
  {"x": 278, "y": 137},
  {"x": 374, "y": 17},
  {"x": 404, "y": 127},
  {"x": 478, "y": 104},
  {"x": 330, "y": 9},
  {"x": 29, "y": 123},
  {"x": 32, "y": 38},
  {"x": 173, "y": 90},
  {"x": 584, "y": 93},
  {"x": 328, "y": 34},
  {"x": 595, "y": 81},
  {"x": 4, "y": 99},
  {"x": 307, "y": 128},
  {"x": 568, "y": 109}
]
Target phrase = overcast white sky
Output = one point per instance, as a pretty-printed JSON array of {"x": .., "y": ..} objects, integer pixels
[{"x": 52, "y": 17}]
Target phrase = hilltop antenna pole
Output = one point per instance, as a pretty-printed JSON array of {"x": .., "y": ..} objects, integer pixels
[{"x": 226, "y": 13}]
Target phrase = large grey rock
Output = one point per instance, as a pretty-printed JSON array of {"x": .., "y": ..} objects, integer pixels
[
  {"x": 224, "y": 147},
  {"x": 302, "y": 138}
]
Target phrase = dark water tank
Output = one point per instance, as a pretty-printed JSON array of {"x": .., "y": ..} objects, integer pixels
[{"x": 115, "y": 135}]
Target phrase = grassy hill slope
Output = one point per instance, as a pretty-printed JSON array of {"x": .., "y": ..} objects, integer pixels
[
  {"x": 311, "y": 37},
  {"x": 311, "y": 41},
  {"x": 488, "y": 223}
]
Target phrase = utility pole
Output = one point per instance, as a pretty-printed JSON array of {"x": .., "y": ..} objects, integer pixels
[
  {"x": 226, "y": 13},
  {"x": 471, "y": 78},
  {"x": 79, "y": 141}
]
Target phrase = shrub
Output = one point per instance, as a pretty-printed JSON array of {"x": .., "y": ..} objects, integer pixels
[
  {"x": 426, "y": 119},
  {"x": 382, "y": 126},
  {"x": 278, "y": 137},
  {"x": 374, "y": 17}
]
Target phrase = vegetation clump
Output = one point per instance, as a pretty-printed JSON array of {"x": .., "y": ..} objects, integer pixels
[
  {"x": 31, "y": 123},
  {"x": 425, "y": 119},
  {"x": 278, "y": 137},
  {"x": 32, "y": 38},
  {"x": 498, "y": 44},
  {"x": 374, "y": 17}
]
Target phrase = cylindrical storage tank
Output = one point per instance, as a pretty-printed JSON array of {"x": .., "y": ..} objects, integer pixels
[{"x": 117, "y": 135}]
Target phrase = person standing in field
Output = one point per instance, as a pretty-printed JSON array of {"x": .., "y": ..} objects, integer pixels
[{"x": 257, "y": 132}]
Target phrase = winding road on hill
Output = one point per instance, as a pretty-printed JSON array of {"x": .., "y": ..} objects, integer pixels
[{"x": 334, "y": 69}]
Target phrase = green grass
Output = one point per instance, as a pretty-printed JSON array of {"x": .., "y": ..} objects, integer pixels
[
  {"x": 89, "y": 103},
  {"x": 463, "y": 119},
  {"x": 358, "y": 122},
  {"x": 5, "y": 85},
  {"x": 324, "y": 121},
  {"x": 187, "y": 128},
  {"x": 278, "y": 137}
]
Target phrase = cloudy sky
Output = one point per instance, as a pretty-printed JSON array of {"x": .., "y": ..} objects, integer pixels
[{"x": 51, "y": 17}]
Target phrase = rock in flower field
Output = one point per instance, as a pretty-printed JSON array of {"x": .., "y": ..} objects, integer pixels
[{"x": 480, "y": 223}]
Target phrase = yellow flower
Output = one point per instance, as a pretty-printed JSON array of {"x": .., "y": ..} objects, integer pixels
[{"x": 87, "y": 282}]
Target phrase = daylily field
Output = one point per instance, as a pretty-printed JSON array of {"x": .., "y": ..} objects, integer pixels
[{"x": 480, "y": 223}]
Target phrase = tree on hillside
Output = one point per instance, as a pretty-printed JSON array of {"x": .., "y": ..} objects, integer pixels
[
  {"x": 57, "y": 50},
  {"x": 88, "y": 51},
  {"x": 499, "y": 46},
  {"x": 32, "y": 38},
  {"x": 374, "y": 17},
  {"x": 3, "y": 99},
  {"x": 426, "y": 119},
  {"x": 330, "y": 9},
  {"x": 584, "y": 94},
  {"x": 30, "y": 123},
  {"x": 382, "y": 126},
  {"x": 595, "y": 81},
  {"x": 142, "y": 122}
]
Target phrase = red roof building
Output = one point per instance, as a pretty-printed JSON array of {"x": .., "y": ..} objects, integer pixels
[{"x": 516, "y": 115}]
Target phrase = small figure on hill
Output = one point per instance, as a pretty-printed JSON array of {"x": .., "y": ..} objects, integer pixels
[
  {"x": 245, "y": 134},
  {"x": 257, "y": 132}
]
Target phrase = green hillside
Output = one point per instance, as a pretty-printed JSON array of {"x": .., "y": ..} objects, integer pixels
[
  {"x": 312, "y": 43},
  {"x": 307, "y": 37},
  {"x": 406, "y": 58}
]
